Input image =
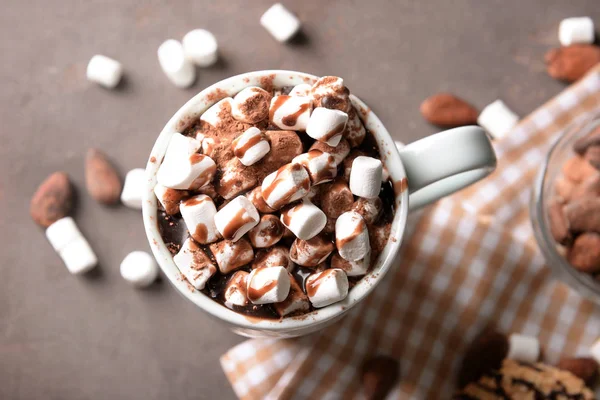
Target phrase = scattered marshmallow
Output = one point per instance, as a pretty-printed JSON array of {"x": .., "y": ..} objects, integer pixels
[
  {"x": 175, "y": 65},
  {"x": 595, "y": 350},
  {"x": 327, "y": 287},
  {"x": 330, "y": 92},
  {"x": 255, "y": 196},
  {"x": 497, "y": 119},
  {"x": 198, "y": 213},
  {"x": 104, "y": 71},
  {"x": 133, "y": 188},
  {"x": 194, "y": 264},
  {"x": 355, "y": 130},
  {"x": 336, "y": 198},
  {"x": 352, "y": 268},
  {"x": 236, "y": 218},
  {"x": 523, "y": 348},
  {"x": 326, "y": 125},
  {"x": 251, "y": 105},
  {"x": 200, "y": 46},
  {"x": 139, "y": 268},
  {"x": 305, "y": 220},
  {"x": 310, "y": 253},
  {"x": 321, "y": 166},
  {"x": 183, "y": 168},
  {"x": 169, "y": 198},
  {"x": 277, "y": 256},
  {"x": 576, "y": 30},
  {"x": 268, "y": 285},
  {"x": 68, "y": 241},
  {"x": 235, "y": 180},
  {"x": 232, "y": 255},
  {"x": 267, "y": 233},
  {"x": 281, "y": 23},
  {"x": 369, "y": 209},
  {"x": 235, "y": 289},
  {"x": 296, "y": 301},
  {"x": 289, "y": 183},
  {"x": 339, "y": 152},
  {"x": 352, "y": 236},
  {"x": 365, "y": 177},
  {"x": 213, "y": 115},
  {"x": 302, "y": 90},
  {"x": 290, "y": 112},
  {"x": 251, "y": 146}
]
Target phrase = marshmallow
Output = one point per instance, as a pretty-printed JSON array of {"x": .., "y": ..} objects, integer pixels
[
  {"x": 235, "y": 289},
  {"x": 352, "y": 268},
  {"x": 347, "y": 163},
  {"x": 200, "y": 47},
  {"x": 290, "y": 112},
  {"x": 352, "y": 236},
  {"x": 285, "y": 145},
  {"x": 327, "y": 125},
  {"x": 338, "y": 152},
  {"x": 251, "y": 146},
  {"x": 214, "y": 115},
  {"x": 194, "y": 264},
  {"x": 268, "y": 232},
  {"x": 355, "y": 130},
  {"x": 523, "y": 348},
  {"x": 280, "y": 22},
  {"x": 595, "y": 350},
  {"x": 251, "y": 105},
  {"x": 296, "y": 301},
  {"x": 236, "y": 218},
  {"x": 274, "y": 257},
  {"x": 336, "y": 199},
  {"x": 198, "y": 213},
  {"x": 268, "y": 285},
  {"x": 576, "y": 30},
  {"x": 327, "y": 287},
  {"x": 365, "y": 177},
  {"x": 104, "y": 71},
  {"x": 232, "y": 255},
  {"x": 169, "y": 198},
  {"x": 310, "y": 253},
  {"x": 302, "y": 90},
  {"x": 320, "y": 166},
  {"x": 305, "y": 220},
  {"x": 71, "y": 246},
  {"x": 497, "y": 119},
  {"x": 369, "y": 209},
  {"x": 235, "y": 180},
  {"x": 183, "y": 168},
  {"x": 133, "y": 188},
  {"x": 330, "y": 92},
  {"x": 175, "y": 65},
  {"x": 289, "y": 183},
  {"x": 256, "y": 198},
  {"x": 139, "y": 268}
]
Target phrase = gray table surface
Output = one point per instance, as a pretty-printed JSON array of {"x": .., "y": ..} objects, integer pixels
[{"x": 94, "y": 337}]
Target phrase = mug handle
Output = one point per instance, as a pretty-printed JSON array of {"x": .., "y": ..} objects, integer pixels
[{"x": 446, "y": 162}]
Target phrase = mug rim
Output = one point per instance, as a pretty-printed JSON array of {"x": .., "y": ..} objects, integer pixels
[{"x": 188, "y": 113}]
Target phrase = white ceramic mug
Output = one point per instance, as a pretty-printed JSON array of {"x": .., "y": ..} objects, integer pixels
[{"x": 434, "y": 167}]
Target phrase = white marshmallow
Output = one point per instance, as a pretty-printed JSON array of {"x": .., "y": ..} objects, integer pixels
[
  {"x": 321, "y": 166},
  {"x": 369, "y": 209},
  {"x": 327, "y": 287},
  {"x": 139, "y": 268},
  {"x": 200, "y": 46},
  {"x": 328, "y": 86},
  {"x": 338, "y": 152},
  {"x": 212, "y": 116},
  {"x": 232, "y": 255},
  {"x": 497, "y": 119},
  {"x": 194, "y": 264},
  {"x": 305, "y": 220},
  {"x": 302, "y": 89},
  {"x": 169, "y": 198},
  {"x": 183, "y": 168},
  {"x": 251, "y": 105},
  {"x": 523, "y": 348},
  {"x": 175, "y": 65},
  {"x": 133, "y": 188},
  {"x": 327, "y": 125},
  {"x": 236, "y": 218},
  {"x": 235, "y": 289},
  {"x": 267, "y": 233},
  {"x": 68, "y": 241},
  {"x": 235, "y": 180},
  {"x": 366, "y": 177},
  {"x": 576, "y": 30},
  {"x": 355, "y": 130},
  {"x": 352, "y": 236},
  {"x": 290, "y": 112},
  {"x": 104, "y": 71},
  {"x": 352, "y": 268},
  {"x": 274, "y": 257},
  {"x": 268, "y": 285},
  {"x": 310, "y": 253},
  {"x": 280, "y": 22},
  {"x": 595, "y": 350},
  {"x": 198, "y": 213},
  {"x": 251, "y": 146},
  {"x": 289, "y": 183},
  {"x": 294, "y": 302}
]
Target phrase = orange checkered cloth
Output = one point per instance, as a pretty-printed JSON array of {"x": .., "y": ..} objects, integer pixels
[{"x": 470, "y": 260}]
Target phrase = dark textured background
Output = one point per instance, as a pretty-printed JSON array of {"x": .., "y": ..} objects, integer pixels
[{"x": 93, "y": 337}]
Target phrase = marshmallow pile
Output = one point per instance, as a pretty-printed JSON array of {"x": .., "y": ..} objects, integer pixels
[{"x": 242, "y": 195}]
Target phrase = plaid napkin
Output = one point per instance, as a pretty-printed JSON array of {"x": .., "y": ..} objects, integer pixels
[{"x": 470, "y": 260}]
